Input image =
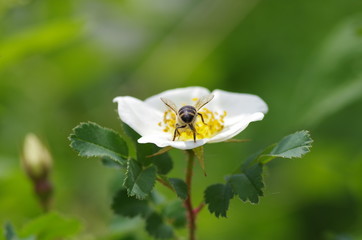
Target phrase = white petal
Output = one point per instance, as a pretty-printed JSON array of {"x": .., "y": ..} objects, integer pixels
[
  {"x": 144, "y": 117},
  {"x": 241, "y": 110},
  {"x": 162, "y": 141},
  {"x": 180, "y": 96},
  {"x": 231, "y": 130},
  {"x": 140, "y": 117},
  {"x": 237, "y": 103}
]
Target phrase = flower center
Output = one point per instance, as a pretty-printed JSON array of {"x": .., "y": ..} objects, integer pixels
[{"x": 214, "y": 123}]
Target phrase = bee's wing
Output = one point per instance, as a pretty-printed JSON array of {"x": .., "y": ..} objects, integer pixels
[
  {"x": 203, "y": 101},
  {"x": 169, "y": 104}
]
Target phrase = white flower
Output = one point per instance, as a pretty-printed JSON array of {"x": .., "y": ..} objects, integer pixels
[{"x": 226, "y": 115}]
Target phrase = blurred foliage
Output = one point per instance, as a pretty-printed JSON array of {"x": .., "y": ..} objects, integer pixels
[
  {"x": 46, "y": 227},
  {"x": 62, "y": 62}
]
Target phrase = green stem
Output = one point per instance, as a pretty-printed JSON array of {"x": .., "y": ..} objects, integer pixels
[
  {"x": 165, "y": 183},
  {"x": 191, "y": 215}
]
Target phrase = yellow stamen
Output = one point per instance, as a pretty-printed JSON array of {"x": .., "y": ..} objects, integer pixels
[{"x": 214, "y": 124}]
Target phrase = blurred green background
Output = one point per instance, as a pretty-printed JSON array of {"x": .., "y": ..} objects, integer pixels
[{"x": 62, "y": 62}]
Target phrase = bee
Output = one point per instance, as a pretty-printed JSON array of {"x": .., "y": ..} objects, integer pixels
[{"x": 187, "y": 115}]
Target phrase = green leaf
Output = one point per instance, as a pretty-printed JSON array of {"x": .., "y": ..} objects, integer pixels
[
  {"x": 143, "y": 151},
  {"x": 291, "y": 146},
  {"x": 217, "y": 197},
  {"x": 156, "y": 227},
  {"x": 247, "y": 181},
  {"x": 180, "y": 187},
  {"x": 175, "y": 214},
  {"x": 127, "y": 206},
  {"x": 163, "y": 163},
  {"x": 91, "y": 140},
  {"x": 248, "y": 184},
  {"x": 108, "y": 162},
  {"x": 294, "y": 145},
  {"x": 51, "y": 226},
  {"x": 139, "y": 182},
  {"x": 130, "y": 132},
  {"x": 147, "y": 153}
]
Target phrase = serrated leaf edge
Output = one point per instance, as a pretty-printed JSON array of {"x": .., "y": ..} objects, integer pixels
[
  {"x": 73, "y": 136},
  {"x": 208, "y": 203},
  {"x": 306, "y": 148},
  {"x": 173, "y": 186},
  {"x": 130, "y": 192},
  {"x": 252, "y": 183}
]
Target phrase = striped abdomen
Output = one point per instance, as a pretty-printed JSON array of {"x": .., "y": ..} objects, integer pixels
[{"x": 187, "y": 114}]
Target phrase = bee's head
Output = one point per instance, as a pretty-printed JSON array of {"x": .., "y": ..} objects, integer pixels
[{"x": 187, "y": 114}]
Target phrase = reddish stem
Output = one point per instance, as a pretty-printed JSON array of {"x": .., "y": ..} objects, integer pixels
[
  {"x": 199, "y": 208},
  {"x": 191, "y": 216}
]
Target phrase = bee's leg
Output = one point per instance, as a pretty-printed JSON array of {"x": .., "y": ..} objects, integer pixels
[
  {"x": 176, "y": 131},
  {"x": 193, "y": 131},
  {"x": 175, "y": 134},
  {"x": 202, "y": 118}
]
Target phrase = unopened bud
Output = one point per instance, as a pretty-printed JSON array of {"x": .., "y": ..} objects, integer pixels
[
  {"x": 36, "y": 158},
  {"x": 37, "y": 163}
]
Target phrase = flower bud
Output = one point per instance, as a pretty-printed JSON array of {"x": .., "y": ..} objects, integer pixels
[
  {"x": 36, "y": 158},
  {"x": 37, "y": 162}
]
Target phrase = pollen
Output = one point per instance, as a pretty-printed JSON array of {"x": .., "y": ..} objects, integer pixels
[{"x": 214, "y": 123}]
